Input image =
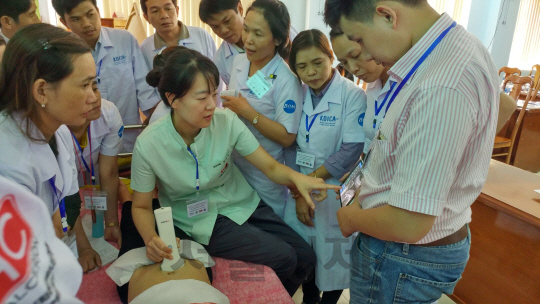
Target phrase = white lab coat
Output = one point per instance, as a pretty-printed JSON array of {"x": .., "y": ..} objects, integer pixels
[
  {"x": 283, "y": 104},
  {"x": 107, "y": 132},
  {"x": 123, "y": 78},
  {"x": 338, "y": 121},
  {"x": 199, "y": 40},
  {"x": 41, "y": 263},
  {"x": 32, "y": 164},
  {"x": 224, "y": 60}
]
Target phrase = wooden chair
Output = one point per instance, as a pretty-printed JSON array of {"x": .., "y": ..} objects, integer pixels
[
  {"x": 536, "y": 68},
  {"x": 509, "y": 71},
  {"x": 508, "y": 143}
]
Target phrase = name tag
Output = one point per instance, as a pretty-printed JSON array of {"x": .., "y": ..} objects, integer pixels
[
  {"x": 305, "y": 159},
  {"x": 258, "y": 84},
  {"x": 197, "y": 207},
  {"x": 94, "y": 199}
]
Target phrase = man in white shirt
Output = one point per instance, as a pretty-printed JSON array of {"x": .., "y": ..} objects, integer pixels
[
  {"x": 120, "y": 67},
  {"x": 15, "y": 14},
  {"x": 163, "y": 15}
]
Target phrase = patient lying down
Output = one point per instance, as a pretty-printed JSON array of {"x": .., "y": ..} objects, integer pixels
[{"x": 149, "y": 284}]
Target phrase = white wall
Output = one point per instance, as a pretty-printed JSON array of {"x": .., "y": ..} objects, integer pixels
[{"x": 494, "y": 23}]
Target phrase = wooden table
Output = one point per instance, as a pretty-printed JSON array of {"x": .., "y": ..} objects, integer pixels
[
  {"x": 526, "y": 153},
  {"x": 504, "y": 264}
]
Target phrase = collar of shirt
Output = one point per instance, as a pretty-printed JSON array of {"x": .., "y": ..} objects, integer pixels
[
  {"x": 269, "y": 68},
  {"x": 104, "y": 41},
  {"x": 48, "y": 163},
  {"x": 159, "y": 43},
  {"x": 406, "y": 63},
  {"x": 4, "y": 36},
  {"x": 200, "y": 137},
  {"x": 323, "y": 92}
]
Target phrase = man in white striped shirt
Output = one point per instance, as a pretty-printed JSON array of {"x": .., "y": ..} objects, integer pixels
[{"x": 429, "y": 160}]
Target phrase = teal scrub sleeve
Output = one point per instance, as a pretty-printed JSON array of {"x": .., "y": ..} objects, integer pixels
[
  {"x": 244, "y": 141},
  {"x": 143, "y": 178}
]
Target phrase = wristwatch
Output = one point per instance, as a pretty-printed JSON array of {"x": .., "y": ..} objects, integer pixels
[
  {"x": 112, "y": 224},
  {"x": 256, "y": 119}
]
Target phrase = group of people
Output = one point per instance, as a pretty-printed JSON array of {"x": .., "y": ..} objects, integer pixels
[{"x": 246, "y": 143}]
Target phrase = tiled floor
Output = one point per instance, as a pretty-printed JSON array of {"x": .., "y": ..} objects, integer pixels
[{"x": 345, "y": 297}]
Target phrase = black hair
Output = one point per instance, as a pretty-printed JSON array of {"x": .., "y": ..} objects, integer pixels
[
  {"x": 211, "y": 7},
  {"x": 335, "y": 32},
  {"x": 37, "y": 51},
  {"x": 144, "y": 8},
  {"x": 176, "y": 72},
  {"x": 63, "y": 7},
  {"x": 277, "y": 16},
  {"x": 13, "y": 8},
  {"x": 307, "y": 39},
  {"x": 2, "y": 41},
  {"x": 357, "y": 10}
]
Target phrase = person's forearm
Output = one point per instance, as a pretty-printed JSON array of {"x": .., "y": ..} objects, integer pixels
[
  {"x": 321, "y": 172},
  {"x": 272, "y": 130},
  {"x": 81, "y": 238},
  {"x": 144, "y": 221},
  {"x": 109, "y": 184},
  {"x": 280, "y": 174},
  {"x": 386, "y": 223}
]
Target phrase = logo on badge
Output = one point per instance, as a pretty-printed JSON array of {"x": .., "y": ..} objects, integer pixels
[
  {"x": 361, "y": 119},
  {"x": 121, "y": 132},
  {"x": 289, "y": 107}
]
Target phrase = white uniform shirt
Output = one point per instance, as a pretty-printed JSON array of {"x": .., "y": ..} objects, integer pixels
[
  {"x": 227, "y": 52},
  {"x": 198, "y": 40},
  {"x": 224, "y": 59},
  {"x": 106, "y": 139},
  {"x": 374, "y": 91},
  {"x": 336, "y": 120},
  {"x": 37, "y": 267},
  {"x": 282, "y": 104},
  {"x": 32, "y": 164},
  {"x": 121, "y": 72}
]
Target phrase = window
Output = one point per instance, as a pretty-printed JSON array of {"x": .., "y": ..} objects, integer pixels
[
  {"x": 525, "y": 50},
  {"x": 459, "y": 9}
]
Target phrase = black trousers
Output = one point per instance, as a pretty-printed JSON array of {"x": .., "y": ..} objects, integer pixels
[{"x": 263, "y": 239}]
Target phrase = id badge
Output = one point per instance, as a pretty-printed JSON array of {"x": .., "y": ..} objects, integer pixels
[
  {"x": 197, "y": 206},
  {"x": 258, "y": 84},
  {"x": 94, "y": 199},
  {"x": 305, "y": 159}
]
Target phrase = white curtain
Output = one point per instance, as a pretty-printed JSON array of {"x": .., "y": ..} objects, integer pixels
[
  {"x": 459, "y": 9},
  {"x": 189, "y": 13},
  {"x": 525, "y": 50}
]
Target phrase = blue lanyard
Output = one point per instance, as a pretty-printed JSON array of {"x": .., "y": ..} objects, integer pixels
[
  {"x": 197, "y": 170},
  {"x": 378, "y": 109},
  {"x": 89, "y": 139},
  {"x": 310, "y": 125},
  {"x": 413, "y": 70},
  {"x": 99, "y": 72},
  {"x": 61, "y": 206}
]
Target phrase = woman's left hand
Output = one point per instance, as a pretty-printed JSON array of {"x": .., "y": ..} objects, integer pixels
[
  {"x": 238, "y": 105},
  {"x": 306, "y": 184}
]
